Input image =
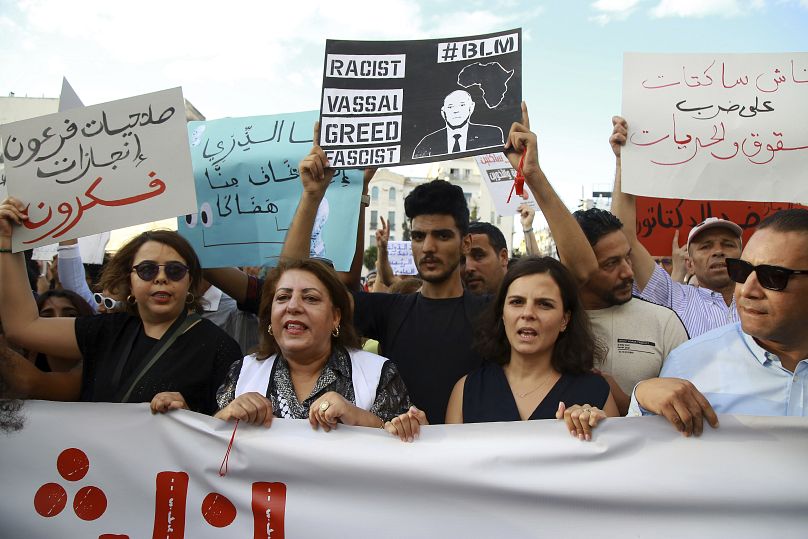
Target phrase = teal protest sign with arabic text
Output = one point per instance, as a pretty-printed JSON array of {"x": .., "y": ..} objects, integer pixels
[{"x": 248, "y": 187}]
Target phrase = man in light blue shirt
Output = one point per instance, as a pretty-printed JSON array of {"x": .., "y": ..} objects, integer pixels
[{"x": 757, "y": 367}]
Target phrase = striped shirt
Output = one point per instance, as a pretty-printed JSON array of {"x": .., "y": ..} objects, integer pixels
[{"x": 700, "y": 309}]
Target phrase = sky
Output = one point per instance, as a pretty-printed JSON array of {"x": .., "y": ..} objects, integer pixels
[{"x": 241, "y": 58}]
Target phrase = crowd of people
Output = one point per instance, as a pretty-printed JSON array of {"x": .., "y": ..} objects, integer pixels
[{"x": 603, "y": 331}]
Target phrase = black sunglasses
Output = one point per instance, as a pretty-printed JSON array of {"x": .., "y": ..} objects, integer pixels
[
  {"x": 109, "y": 303},
  {"x": 769, "y": 277},
  {"x": 148, "y": 270}
]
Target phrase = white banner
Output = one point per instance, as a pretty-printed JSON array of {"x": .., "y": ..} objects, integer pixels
[
  {"x": 93, "y": 169},
  {"x": 711, "y": 126},
  {"x": 115, "y": 471}
]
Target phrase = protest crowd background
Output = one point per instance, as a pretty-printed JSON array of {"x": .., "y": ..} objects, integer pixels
[{"x": 280, "y": 268}]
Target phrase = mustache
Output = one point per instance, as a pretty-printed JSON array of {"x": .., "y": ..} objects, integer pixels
[{"x": 427, "y": 259}]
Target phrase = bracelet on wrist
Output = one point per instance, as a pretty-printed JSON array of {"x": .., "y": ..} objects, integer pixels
[
  {"x": 4, "y": 250},
  {"x": 527, "y": 230}
]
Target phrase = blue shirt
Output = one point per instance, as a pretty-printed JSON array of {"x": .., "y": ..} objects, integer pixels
[
  {"x": 737, "y": 375},
  {"x": 700, "y": 309}
]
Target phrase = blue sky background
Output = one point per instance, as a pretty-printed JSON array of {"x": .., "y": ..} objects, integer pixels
[{"x": 248, "y": 58}]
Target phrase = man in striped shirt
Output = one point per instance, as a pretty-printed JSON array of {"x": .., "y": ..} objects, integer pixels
[{"x": 709, "y": 244}]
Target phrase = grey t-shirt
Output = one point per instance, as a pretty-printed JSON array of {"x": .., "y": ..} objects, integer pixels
[{"x": 638, "y": 336}]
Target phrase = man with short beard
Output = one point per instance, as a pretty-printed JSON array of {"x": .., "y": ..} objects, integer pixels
[{"x": 638, "y": 335}]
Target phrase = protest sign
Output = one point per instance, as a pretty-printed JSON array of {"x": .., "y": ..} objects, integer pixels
[
  {"x": 92, "y": 169},
  {"x": 498, "y": 176},
  {"x": 92, "y": 249},
  {"x": 400, "y": 255},
  {"x": 115, "y": 471},
  {"x": 377, "y": 109},
  {"x": 658, "y": 218},
  {"x": 248, "y": 187},
  {"x": 711, "y": 126}
]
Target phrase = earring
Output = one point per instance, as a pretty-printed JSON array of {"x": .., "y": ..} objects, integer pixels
[
  {"x": 335, "y": 333},
  {"x": 130, "y": 299},
  {"x": 189, "y": 298},
  {"x": 269, "y": 329}
]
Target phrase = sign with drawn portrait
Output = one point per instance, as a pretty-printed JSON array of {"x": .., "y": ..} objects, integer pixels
[
  {"x": 93, "y": 169},
  {"x": 659, "y": 218},
  {"x": 388, "y": 103},
  {"x": 248, "y": 188},
  {"x": 716, "y": 126}
]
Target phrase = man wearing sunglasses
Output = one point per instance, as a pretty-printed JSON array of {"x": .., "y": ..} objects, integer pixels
[
  {"x": 758, "y": 366},
  {"x": 709, "y": 244}
]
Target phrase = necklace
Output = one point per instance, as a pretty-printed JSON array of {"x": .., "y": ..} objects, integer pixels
[{"x": 544, "y": 383}]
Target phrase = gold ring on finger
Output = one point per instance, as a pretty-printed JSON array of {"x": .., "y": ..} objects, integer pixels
[{"x": 324, "y": 406}]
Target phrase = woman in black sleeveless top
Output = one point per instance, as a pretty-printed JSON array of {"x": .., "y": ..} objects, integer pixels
[{"x": 540, "y": 351}]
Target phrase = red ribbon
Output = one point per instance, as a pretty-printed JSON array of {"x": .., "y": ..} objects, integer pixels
[
  {"x": 223, "y": 467},
  {"x": 519, "y": 181}
]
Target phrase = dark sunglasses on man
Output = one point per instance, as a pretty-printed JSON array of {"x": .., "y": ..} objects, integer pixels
[
  {"x": 148, "y": 270},
  {"x": 110, "y": 303},
  {"x": 770, "y": 277}
]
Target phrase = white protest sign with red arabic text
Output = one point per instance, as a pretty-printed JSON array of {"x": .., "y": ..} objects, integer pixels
[
  {"x": 716, "y": 126},
  {"x": 98, "y": 168},
  {"x": 115, "y": 471}
]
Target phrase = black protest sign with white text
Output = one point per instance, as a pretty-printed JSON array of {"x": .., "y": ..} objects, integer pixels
[{"x": 388, "y": 103}]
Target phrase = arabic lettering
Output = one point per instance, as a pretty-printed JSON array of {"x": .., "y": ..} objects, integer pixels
[
  {"x": 68, "y": 208},
  {"x": 53, "y": 159}
]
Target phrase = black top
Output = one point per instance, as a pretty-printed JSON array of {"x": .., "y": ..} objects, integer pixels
[
  {"x": 487, "y": 396},
  {"x": 391, "y": 399},
  {"x": 195, "y": 365},
  {"x": 429, "y": 339}
]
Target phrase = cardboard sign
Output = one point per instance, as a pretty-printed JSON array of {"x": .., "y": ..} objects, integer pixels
[
  {"x": 93, "y": 169},
  {"x": 658, "y": 218},
  {"x": 400, "y": 256},
  {"x": 390, "y": 103},
  {"x": 498, "y": 176},
  {"x": 248, "y": 188},
  {"x": 716, "y": 126}
]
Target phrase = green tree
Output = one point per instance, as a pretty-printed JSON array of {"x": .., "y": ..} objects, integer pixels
[
  {"x": 405, "y": 230},
  {"x": 370, "y": 256}
]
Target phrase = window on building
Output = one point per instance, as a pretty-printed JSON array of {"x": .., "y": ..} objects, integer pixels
[
  {"x": 374, "y": 193},
  {"x": 468, "y": 197},
  {"x": 391, "y": 220},
  {"x": 391, "y": 196},
  {"x": 374, "y": 219},
  {"x": 454, "y": 172}
]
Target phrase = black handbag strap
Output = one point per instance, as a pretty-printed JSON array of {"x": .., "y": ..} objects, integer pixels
[{"x": 180, "y": 326}]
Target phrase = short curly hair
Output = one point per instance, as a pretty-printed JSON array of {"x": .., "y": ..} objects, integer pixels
[
  {"x": 596, "y": 223},
  {"x": 439, "y": 197}
]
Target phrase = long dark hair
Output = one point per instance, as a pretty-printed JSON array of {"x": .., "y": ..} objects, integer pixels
[
  {"x": 575, "y": 351},
  {"x": 340, "y": 297}
]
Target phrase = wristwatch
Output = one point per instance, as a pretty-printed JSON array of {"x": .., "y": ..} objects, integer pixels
[{"x": 365, "y": 200}]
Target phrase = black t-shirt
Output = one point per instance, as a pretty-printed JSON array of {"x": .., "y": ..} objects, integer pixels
[
  {"x": 195, "y": 365},
  {"x": 429, "y": 339},
  {"x": 487, "y": 396}
]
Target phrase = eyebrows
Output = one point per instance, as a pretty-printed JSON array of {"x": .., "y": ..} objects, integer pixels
[{"x": 305, "y": 290}]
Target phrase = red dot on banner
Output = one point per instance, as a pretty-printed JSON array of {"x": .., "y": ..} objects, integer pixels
[
  {"x": 50, "y": 499},
  {"x": 89, "y": 503},
  {"x": 218, "y": 511},
  {"x": 72, "y": 464}
]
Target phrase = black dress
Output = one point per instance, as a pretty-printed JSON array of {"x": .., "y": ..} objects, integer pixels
[
  {"x": 487, "y": 396},
  {"x": 195, "y": 365}
]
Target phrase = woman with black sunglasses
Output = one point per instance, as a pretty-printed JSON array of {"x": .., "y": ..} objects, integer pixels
[{"x": 158, "y": 345}]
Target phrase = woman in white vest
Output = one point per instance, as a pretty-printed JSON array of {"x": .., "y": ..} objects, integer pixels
[{"x": 309, "y": 364}]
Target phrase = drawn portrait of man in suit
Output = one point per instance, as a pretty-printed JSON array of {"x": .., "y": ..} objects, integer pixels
[{"x": 459, "y": 134}]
